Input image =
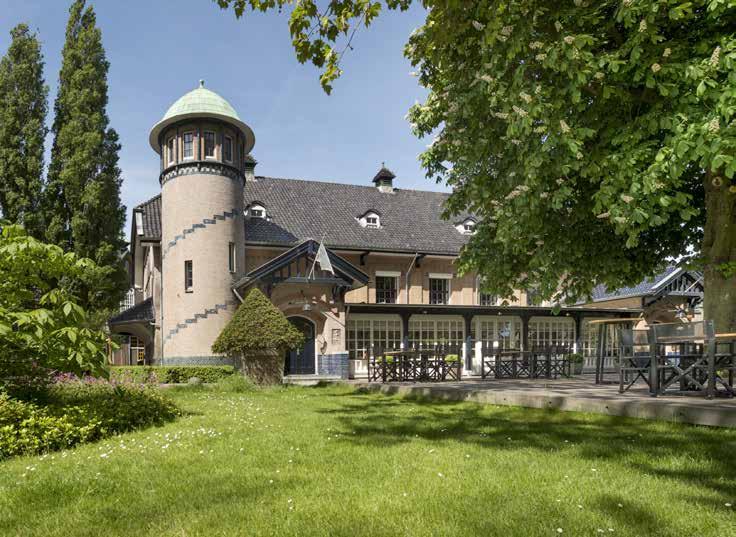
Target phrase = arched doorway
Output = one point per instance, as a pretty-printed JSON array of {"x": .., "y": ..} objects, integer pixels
[{"x": 301, "y": 360}]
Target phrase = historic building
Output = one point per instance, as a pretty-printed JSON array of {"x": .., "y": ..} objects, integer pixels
[{"x": 217, "y": 229}]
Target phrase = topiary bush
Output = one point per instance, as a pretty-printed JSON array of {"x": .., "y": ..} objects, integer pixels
[
  {"x": 257, "y": 336},
  {"x": 174, "y": 374}
]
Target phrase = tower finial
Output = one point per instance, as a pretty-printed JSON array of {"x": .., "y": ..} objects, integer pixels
[{"x": 201, "y": 82}]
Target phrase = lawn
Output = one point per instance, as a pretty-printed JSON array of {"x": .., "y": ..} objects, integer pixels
[{"x": 330, "y": 461}]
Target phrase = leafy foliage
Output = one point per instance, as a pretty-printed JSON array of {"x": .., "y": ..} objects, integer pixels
[
  {"x": 593, "y": 139},
  {"x": 175, "y": 374},
  {"x": 257, "y": 325},
  {"x": 79, "y": 410},
  {"x": 42, "y": 326},
  {"x": 82, "y": 205},
  {"x": 22, "y": 130}
]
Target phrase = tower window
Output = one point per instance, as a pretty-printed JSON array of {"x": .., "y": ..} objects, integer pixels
[
  {"x": 209, "y": 144},
  {"x": 188, "y": 145},
  {"x": 188, "y": 276},
  {"x": 170, "y": 149},
  {"x": 227, "y": 149},
  {"x": 231, "y": 257}
]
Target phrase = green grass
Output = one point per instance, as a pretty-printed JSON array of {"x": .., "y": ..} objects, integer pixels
[{"x": 328, "y": 461}]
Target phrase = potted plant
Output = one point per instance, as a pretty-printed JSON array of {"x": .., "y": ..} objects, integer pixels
[
  {"x": 576, "y": 362},
  {"x": 257, "y": 337}
]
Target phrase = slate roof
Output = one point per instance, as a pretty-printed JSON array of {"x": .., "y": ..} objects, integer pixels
[
  {"x": 298, "y": 210},
  {"x": 143, "y": 311},
  {"x": 151, "y": 211},
  {"x": 645, "y": 287}
]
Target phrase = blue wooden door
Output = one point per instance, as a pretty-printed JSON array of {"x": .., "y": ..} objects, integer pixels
[{"x": 301, "y": 361}]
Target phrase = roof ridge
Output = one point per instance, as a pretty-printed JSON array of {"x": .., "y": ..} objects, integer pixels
[
  {"x": 147, "y": 201},
  {"x": 352, "y": 185}
]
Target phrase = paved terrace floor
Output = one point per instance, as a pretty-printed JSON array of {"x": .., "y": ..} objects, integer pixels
[{"x": 578, "y": 394}]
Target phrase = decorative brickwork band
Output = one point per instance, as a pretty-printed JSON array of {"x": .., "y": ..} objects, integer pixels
[
  {"x": 197, "y": 316},
  {"x": 200, "y": 225},
  {"x": 201, "y": 167}
]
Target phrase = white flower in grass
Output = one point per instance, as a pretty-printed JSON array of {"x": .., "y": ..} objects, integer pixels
[
  {"x": 534, "y": 45},
  {"x": 559, "y": 530},
  {"x": 569, "y": 39},
  {"x": 599, "y": 75},
  {"x": 643, "y": 25},
  {"x": 667, "y": 52},
  {"x": 602, "y": 216},
  {"x": 564, "y": 127},
  {"x": 715, "y": 57},
  {"x": 728, "y": 505},
  {"x": 540, "y": 57},
  {"x": 714, "y": 125},
  {"x": 656, "y": 68},
  {"x": 506, "y": 30},
  {"x": 478, "y": 25},
  {"x": 558, "y": 26},
  {"x": 520, "y": 111},
  {"x": 627, "y": 198},
  {"x": 525, "y": 97},
  {"x": 439, "y": 474}
]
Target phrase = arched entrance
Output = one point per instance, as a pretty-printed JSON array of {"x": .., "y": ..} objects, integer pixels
[{"x": 301, "y": 361}]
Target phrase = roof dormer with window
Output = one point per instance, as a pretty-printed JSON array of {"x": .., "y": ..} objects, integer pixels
[
  {"x": 370, "y": 219},
  {"x": 256, "y": 210},
  {"x": 467, "y": 226}
]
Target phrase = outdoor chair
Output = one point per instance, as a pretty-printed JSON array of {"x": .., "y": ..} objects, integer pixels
[{"x": 634, "y": 358}]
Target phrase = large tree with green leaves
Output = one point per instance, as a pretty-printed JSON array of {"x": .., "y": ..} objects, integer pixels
[
  {"x": 84, "y": 212},
  {"x": 22, "y": 130},
  {"x": 594, "y": 139}
]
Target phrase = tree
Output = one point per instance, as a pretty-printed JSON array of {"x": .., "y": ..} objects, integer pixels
[
  {"x": 259, "y": 334},
  {"x": 43, "y": 328},
  {"x": 594, "y": 140},
  {"x": 22, "y": 130},
  {"x": 83, "y": 207}
]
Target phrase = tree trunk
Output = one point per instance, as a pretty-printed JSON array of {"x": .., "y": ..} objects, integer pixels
[{"x": 719, "y": 253}]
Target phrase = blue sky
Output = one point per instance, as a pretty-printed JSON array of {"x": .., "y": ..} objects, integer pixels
[{"x": 159, "y": 49}]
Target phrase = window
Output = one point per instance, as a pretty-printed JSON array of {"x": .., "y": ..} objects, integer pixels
[
  {"x": 487, "y": 299},
  {"x": 439, "y": 290},
  {"x": 381, "y": 333},
  {"x": 426, "y": 332},
  {"x": 170, "y": 149},
  {"x": 188, "y": 276},
  {"x": 256, "y": 211},
  {"x": 370, "y": 219},
  {"x": 549, "y": 331},
  {"x": 231, "y": 257},
  {"x": 227, "y": 149},
  {"x": 209, "y": 144},
  {"x": 469, "y": 227},
  {"x": 500, "y": 332},
  {"x": 386, "y": 288},
  {"x": 336, "y": 336},
  {"x": 188, "y": 145},
  {"x": 137, "y": 351}
]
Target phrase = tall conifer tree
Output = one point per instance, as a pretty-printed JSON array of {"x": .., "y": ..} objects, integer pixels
[
  {"x": 22, "y": 130},
  {"x": 83, "y": 207}
]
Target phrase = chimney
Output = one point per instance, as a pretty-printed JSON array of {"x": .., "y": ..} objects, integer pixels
[
  {"x": 384, "y": 179},
  {"x": 249, "y": 168}
]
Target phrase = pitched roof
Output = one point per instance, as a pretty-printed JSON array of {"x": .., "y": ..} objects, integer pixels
[
  {"x": 151, "y": 217},
  {"x": 298, "y": 210},
  {"x": 645, "y": 287},
  {"x": 143, "y": 311}
]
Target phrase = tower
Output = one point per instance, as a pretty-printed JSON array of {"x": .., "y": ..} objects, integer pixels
[{"x": 202, "y": 144}]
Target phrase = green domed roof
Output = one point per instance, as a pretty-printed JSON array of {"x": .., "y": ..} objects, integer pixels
[{"x": 201, "y": 102}]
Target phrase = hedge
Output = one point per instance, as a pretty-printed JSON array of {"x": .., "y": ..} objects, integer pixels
[
  {"x": 76, "y": 411},
  {"x": 174, "y": 374}
]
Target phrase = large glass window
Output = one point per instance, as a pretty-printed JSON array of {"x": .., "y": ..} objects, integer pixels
[
  {"x": 386, "y": 289},
  {"x": 209, "y": 144},
  {"x": 426, "y": 332},
  {"x": 500, "y": 332},
  {"x": 188, "y": 142},
  {"x": 439, "y": 291},
  {"x": 364, "y": 336},
  {"x": 549, "y": 331}
]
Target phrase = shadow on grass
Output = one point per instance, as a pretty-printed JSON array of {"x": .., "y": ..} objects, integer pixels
[{"x": 700, "y": 456}]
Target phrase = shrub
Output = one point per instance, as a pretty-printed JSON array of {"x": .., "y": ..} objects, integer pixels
[
  {"x": 576, "y": 358},
  {"x": 175, "y": 374},
  {"x": 79, "y": 410},
  {"x": 258, "y": 335}
]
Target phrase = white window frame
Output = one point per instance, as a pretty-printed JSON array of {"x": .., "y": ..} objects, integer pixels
[
  {"x": 425, "y": 321},
  {"x": 440, "y": 276},
  {"x": 371, "y": 320},
  {"x": 227, "y": 140},
  {"x": 363, "y": 220},
  {"x": 257, "y": 207},
  {"x": 396, "y": 275},
  {"x": 184, "y": 145},
  {"x": 232, "y": 257},
  {"x": 214, "y": 145}
]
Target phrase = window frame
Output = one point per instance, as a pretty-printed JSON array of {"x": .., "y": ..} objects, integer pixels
[
  {"x": 447, "y": 292},
  {"x": 392, "y": 293},
  {"x": 184, "y": 145},
  {"x": 205, "y": 134},
  {"x": 170, "y": 149},
  {"x": 188, "y": 276}
]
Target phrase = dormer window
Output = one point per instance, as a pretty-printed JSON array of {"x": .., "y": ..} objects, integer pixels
[
  {"x": 256, "y": 210},
  {"x": 466, "y": 227},
  {"x": 370, "y": 219}
]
